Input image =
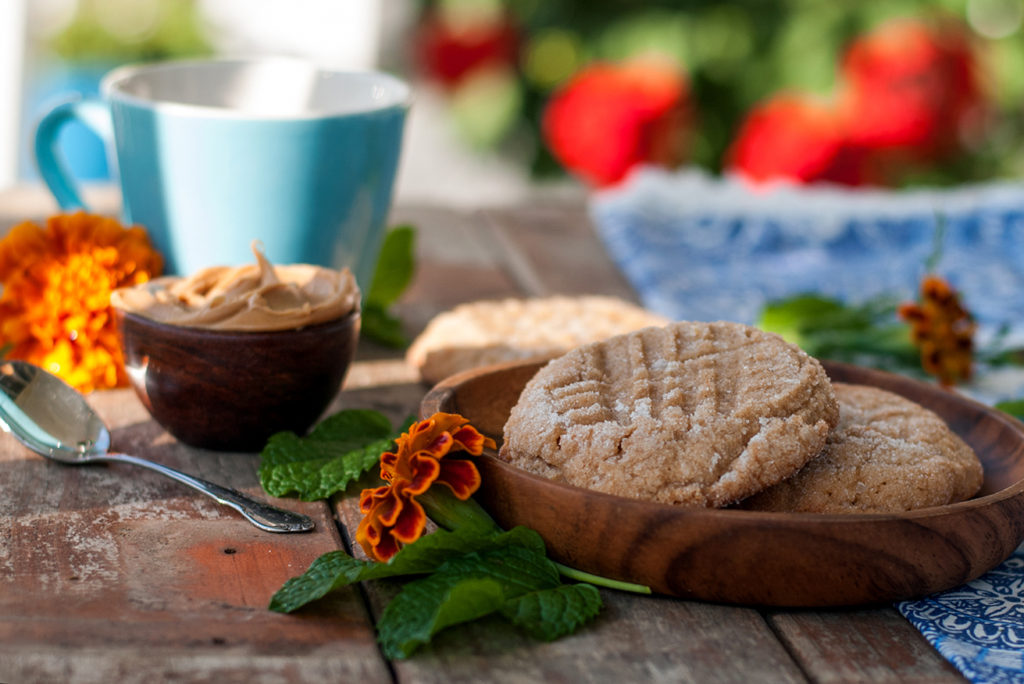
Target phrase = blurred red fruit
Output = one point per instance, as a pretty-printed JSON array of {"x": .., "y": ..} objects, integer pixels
[
  {"x": 798, "y": 138},
  {"x": 611, "y": 117},
  {"x": 448, "y": 49},
  {"x": 911, "y": 89}
]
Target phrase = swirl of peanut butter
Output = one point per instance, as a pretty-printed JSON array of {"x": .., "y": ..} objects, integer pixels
[{"x": 253, "y": 297}]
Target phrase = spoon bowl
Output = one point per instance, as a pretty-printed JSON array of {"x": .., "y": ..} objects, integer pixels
[{"x": 53, "y": 419}]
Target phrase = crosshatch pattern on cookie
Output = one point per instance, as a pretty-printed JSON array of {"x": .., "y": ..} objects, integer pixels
[
  {"x": 693, "y": 413},
  {"x": 887, "y": 454}
]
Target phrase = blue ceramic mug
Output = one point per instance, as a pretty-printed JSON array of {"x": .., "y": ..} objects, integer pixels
[{"x": 213, "y": 154}]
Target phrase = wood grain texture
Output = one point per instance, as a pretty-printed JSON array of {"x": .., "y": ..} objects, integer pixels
[
  {"x": 113, "y": 573},
  {"x": 457, "y": 261},
  {"x": 755, "y": 558},
  {"x": 861, "y": 645},
  {"x": 553, "y": 250}
]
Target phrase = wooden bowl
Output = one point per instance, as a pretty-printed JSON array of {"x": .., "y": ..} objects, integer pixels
[
  {"x": 757, "y": 558},
  {"x": 231, "y": 390}
]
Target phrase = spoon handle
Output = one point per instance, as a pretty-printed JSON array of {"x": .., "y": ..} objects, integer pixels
[{"x": 262, "y": 515}]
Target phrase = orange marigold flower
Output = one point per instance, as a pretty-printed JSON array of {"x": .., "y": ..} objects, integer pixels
[
  {"x": 943, "y": 330},
  {"x": 55, "y": 304},
  {"x": 391, "y": 514}
]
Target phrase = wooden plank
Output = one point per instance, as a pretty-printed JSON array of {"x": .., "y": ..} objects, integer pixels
[
  {"x": 861, "y": 645},
  {"x": 554, "y": 250},
  {"x": 648, "y": 639},
  {"x": 114, "y": 573},
  {"x": 455, "y": 263}
]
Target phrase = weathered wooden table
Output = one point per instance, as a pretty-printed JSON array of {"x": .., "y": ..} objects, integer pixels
[{"x": 114, "y": 574}]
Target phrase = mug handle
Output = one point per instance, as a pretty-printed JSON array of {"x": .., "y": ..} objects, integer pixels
[{"x": 95, "y": 114}]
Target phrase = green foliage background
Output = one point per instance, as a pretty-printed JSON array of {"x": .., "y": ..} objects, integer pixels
[{"x": 736, "y": 53}]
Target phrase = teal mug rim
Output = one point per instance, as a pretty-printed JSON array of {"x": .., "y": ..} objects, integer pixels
[{"x": 109, "y": 90}]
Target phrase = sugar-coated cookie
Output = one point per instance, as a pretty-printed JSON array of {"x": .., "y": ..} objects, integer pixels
[
  {"x": 691, "y": 413},
  {"x": 486, "y": 332},
  {"x": 888, "y": 454}
]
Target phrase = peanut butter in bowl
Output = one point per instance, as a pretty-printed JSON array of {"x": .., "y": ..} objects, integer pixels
[
  {"x": 252, "y": 297},
  {"x": 230, "y": 355}
]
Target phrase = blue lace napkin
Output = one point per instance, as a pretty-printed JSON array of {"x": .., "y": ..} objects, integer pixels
[
  {"x": 702, "y": 248},
  {"x": 980, "y": 626}
]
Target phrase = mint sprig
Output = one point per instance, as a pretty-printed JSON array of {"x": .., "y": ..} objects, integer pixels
[
  {"x": 337, "y": 452},
  {"x": 466, "y": 576},
  {"x": 336, "y": 569},
  {"x": 394, "y": 271},
  {"x": 868, "y": 334},
  {"x": 552, "y": 613},
  {"x": 465, "y": 588},
  {"x": 1013, "y": 407},
  {"x": 464, "y": 572}
]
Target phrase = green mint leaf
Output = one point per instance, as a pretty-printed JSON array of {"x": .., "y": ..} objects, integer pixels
[
  {"x": 552, "y": 613},
  {"x": 333, "y": 570},
  {"x": 337, "y": 569},
  {"x": 383, "y": 328},
  {"x": 463, "y": 589},
  {"x": 340, "y": 449},
  {"x": 394, "y": 271},
  {"x": 867, "y": 334},
  {"x": 789, "y": 317},
  {"x": 395, "y": 267},
  {"x": 1014, "y": 407},
  {"x": 430, "y": 552}
]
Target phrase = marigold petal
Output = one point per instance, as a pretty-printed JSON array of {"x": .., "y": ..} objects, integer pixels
[
  {"x": 461, "y": 476},
  {"x": 470, "y": 439},
  {"x": 389, "y": 508},
  {"x": 388, "y": 461},
  {"x": 368, "y": 535},
  {"x": 410, "y": 524},
  {"x": 425, "y": 470},
  {"x": 368, "y": 498},
  {"x": 386, "y": 548},
  {"x": 447, "y": 422},
  {"x": 440, "y": 445},
  {"x": 377, "y": 542}
]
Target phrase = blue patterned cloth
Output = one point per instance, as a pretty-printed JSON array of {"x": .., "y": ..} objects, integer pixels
[
  {"x": 701, "y": 248},
  {"x": 980, "y": 626}
]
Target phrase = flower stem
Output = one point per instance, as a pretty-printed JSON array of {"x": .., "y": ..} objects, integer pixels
[
  {"x": 454, "y": 514},
  {"x": 579, "y": 575}
]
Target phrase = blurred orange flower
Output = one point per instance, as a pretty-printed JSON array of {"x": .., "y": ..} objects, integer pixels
[
  {"x": 55, "y": 304},
  {"x": 610, "y": 117},
  {"x": 391, "y": 514},
  {"x": 943, "y": 330}
]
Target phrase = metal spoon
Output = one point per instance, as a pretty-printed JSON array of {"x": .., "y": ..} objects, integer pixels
[{"x": 54, "y": 420}]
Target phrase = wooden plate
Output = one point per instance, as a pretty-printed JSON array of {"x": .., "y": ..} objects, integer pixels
[{"x": 755, "y": 558}]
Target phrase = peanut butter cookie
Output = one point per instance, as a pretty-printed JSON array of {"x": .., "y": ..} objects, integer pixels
[
  {"x": 888, "y": 454},
  {"x": 486, "y": 332},
  {"x": 692, "y": 413}
]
